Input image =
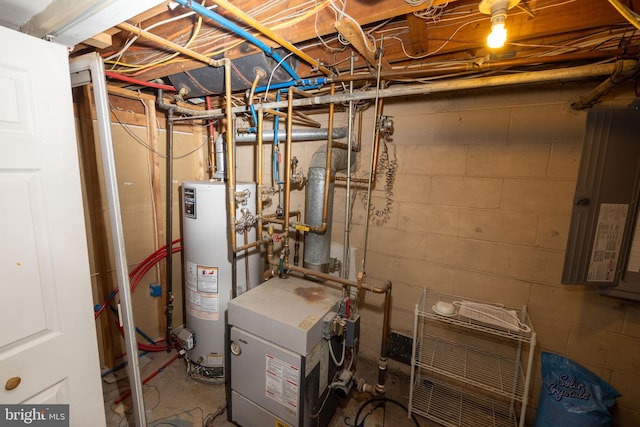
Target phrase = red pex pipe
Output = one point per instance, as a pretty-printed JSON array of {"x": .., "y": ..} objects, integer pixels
[{"x": 139, "y": 82}]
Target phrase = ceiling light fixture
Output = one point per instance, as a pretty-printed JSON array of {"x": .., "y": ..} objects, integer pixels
[{"x": 498, "y": 11}]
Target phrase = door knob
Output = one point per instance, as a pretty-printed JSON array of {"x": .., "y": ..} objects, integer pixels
[{"x": 12, "y": 383}]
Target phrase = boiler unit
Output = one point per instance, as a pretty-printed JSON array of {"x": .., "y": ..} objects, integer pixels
[
  {"x": 281, "y": 372},
  {"x": 209, "y": 270}
]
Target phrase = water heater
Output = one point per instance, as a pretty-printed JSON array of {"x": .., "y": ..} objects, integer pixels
[{"x": 208, "y": 267}]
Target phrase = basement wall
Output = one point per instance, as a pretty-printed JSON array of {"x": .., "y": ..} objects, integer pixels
[{"x": 481, "y": 207}]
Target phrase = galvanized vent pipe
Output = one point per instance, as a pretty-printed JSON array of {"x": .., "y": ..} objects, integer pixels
[
  {"x": 296, "y": 135},
  {"x": 317, "y": 246}
]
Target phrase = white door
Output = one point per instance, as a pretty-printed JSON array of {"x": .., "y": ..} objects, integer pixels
[{"x": 47, "y": 330}]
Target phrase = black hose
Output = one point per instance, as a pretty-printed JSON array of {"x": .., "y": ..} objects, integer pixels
[{"x": 381, "y": 399}]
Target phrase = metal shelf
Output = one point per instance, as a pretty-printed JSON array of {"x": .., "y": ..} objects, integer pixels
[
  {"x": 454, "y": 351},
  {"x": 500, "y": 375},
  {"x": 430, "y": 299},
  {"x": 454, "y": 407}
]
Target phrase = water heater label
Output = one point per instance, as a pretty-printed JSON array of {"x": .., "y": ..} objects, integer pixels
[
  {"x": 208, "y": 279},
  {"x": 202, "y": 306},
  {"x": 282, "y": 380}
]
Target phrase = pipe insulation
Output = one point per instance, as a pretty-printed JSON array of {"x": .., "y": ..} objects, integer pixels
[
  {"x": 317, "y": 247},
  {"x": 296, "y": 135}
]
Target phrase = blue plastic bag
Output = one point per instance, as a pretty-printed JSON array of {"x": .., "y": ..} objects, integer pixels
[{"x": 571, "y": 395}]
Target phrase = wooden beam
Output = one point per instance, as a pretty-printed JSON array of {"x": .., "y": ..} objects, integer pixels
[
  {"x": 363, "y": 12},
  {"x": 550, "y": 26},
  {"x": 100, "y": 41},
  {"x": 95, "y": 213},
  {"x": 352, "y": 32},
  {"x": 443, "y": 41},
  {"x": 417, "y": 34}
]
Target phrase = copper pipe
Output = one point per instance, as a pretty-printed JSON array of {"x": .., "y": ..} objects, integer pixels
[
  {"x": 259, "y": 239},
  {"x": 287, "y": 175},
  {"x": 259, "y": 75},
  {"x": 374, "y": 164},
  {"x": 231, "y": 150},
  {"x": 339, "y": 280},
  {"x": 171, "y": 45},
  {"x": 259, "y": 173},
  {"x": 376, "y": 143},
  {"x": 385, "y": 321},
  {"x": 306, "y": 119},
  {"x": 301, "y": 92},
  {"x": 275, "y": 113},
  {"x": 272, "y": 218},
  {"x": 322, "y": 228},
  {"x": 344, "y": 146}
]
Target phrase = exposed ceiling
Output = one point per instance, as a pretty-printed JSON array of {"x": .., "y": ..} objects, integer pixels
[{"x": 420, "y": 40}]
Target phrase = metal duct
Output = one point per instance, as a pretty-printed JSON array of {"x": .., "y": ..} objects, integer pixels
[
  {"x": 296, "y": 135},
  {"x": 317, "y": 246},
  {"x": 210, "y": 80}
]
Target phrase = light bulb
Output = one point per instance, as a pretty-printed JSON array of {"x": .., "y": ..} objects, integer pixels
[{"x": 497, "y": 36}]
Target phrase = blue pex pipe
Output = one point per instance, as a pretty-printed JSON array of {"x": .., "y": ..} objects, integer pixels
[
  {"x": 239, "y": 31},
  {"x": 309, "y": 83}
]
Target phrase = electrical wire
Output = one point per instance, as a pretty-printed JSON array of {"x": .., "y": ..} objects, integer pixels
[
  {"x": 266, "y": 92},
  {"x": 132, "y": 67},
  {"x": 333, "y": 357},
  {"x": 127, "y": 129}
]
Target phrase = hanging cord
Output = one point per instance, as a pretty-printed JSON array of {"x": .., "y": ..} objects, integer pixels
[{"x": 388, "y": 167}]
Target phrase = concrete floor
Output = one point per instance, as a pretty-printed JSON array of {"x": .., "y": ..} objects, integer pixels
[{"x": 173, "y": 399}]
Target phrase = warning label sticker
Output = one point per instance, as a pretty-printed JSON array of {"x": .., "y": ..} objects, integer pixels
[
  {"x": 203, "y": 306},
  {"x": 208, "y": 279},
  {"x": 282, "y": 382}
]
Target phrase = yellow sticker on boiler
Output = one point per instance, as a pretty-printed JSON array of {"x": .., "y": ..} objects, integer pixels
[
  {"x": 281, "y": 424},
  {"x": 308, "y": 322}
]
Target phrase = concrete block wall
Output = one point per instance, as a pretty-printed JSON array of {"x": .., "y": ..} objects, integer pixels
[{"x": 482, "y": 200}]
